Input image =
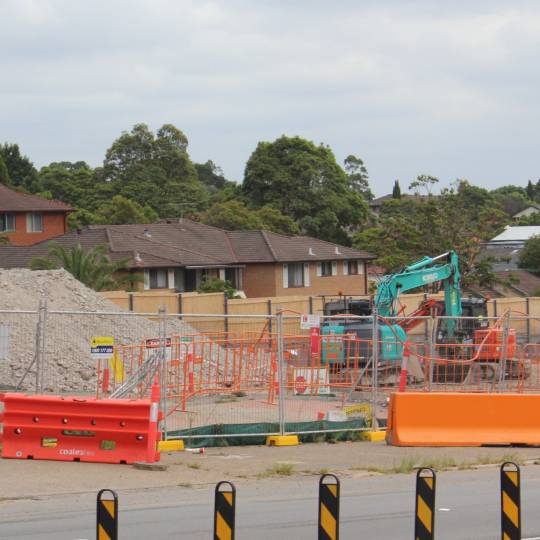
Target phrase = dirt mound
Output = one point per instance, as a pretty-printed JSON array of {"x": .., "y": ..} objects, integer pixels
[{"x": 75, "y": 314}]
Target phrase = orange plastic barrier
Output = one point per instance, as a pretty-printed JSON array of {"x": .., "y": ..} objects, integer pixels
[
  {"x": 460, "y": 419},
  {"x": 76, "y": 429}
]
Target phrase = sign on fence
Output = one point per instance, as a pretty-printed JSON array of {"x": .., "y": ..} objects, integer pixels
[
  {"x": 311, "y": 382},
  {"x": 310, "y": 321},
  {"x": 101, "y": 347}
]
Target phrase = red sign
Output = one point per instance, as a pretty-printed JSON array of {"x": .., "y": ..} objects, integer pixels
[
  {"x": 315, "y": 341},
  {"x": 300, "y": 384}
]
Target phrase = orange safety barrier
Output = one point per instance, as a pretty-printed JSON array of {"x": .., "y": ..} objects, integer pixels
[
  {"x": 76, "y": 429},
  {"x": 461, "y": 419}
]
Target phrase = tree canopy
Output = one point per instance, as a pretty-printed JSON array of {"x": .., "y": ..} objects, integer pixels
[{"x": 304, "y": 181}]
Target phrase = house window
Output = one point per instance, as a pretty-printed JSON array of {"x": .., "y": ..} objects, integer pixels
[
  {"x": 296, "y": 274},
  {"x": 233, "y": 276},
  {"x": 352, "y": 268},
  {"x": 34, "y": 222},
  {"x": 158, "y": 278},
  {"x": 7, "y": 222},
  {"x": 326, "y": 268}
]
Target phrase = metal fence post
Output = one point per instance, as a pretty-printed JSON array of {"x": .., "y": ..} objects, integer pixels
[
  {"x": 375, "y": 367},
  {"x": 504, "y": 352},
  {"x": 162, "y": 368},
  {"x": 528, "y": 312},
  {"x": 43, "y": 356},
  {"x": 281, "y": 371}
]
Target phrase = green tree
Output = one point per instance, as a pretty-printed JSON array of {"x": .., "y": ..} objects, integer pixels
[
  {"x": 120, "y": 211},
  {"x": 358, "y": 176},
  {"x": 305, "y": 182},
  {"x": 21, "y": 170},
  {"x": 212, "y": 176},
  {"x": 232, "y": 216},
  {"x": 94, "y": 268},
  {"x": 529, "y": 256},
  {"x": 530, "y": 190},
  {"x": 423, "y": 182},
  {"x": 396, "y": 190},
  {"x": 155, "y": 170},
  {"x": 82, "y": 218},
  {"x": 273, "y": 220},
  {"x": 4, "y": 175}
]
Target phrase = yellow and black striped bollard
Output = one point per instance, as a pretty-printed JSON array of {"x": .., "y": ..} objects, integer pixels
[
  {"x": 424, "y": 514},
  {"x": 224, "y": 511},
  {"x": 107, "y": 516},
  {"x": 510, "y": 501},
  {"x": 329, "y": 507}
]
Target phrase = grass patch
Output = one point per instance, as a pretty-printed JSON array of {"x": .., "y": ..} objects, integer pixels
[
  {"x": 405, "y": 466},
  {"x": 194, "y": 466},
  {"x": 185, "y": 484},
  {"x": 279, "y": 469}
]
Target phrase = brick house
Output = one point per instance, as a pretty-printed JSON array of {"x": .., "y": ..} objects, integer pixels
[
  {"x": 27, "y": 219},
  {"x": 179, "y": 255}
]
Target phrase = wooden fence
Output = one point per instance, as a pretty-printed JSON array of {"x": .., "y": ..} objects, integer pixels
[{"x": 218, "y": 305}]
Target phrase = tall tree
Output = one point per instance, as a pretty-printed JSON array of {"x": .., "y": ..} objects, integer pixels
[
  {"x": 21, "y": 170},
  {"x": 4, "y": 175},
  {"x": 530, "y": 190},
  {"x": 305, "y": 182},
  {"x": 155, "y": 170},
  {"x": 358, "y": 176},
  {"x": 424, "y": 182},
  {"x": 396, "y": 190}
]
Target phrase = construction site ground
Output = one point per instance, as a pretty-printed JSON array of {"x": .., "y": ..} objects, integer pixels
[{"x": 24, "y": 479}]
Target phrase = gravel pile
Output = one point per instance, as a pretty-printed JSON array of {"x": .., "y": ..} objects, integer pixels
[{"x": 69, "y": 366}]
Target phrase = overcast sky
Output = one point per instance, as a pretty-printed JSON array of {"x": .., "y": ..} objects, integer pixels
[{"x": 448, "y": 88}]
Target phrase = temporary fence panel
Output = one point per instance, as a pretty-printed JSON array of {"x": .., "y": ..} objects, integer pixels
[{"x": 21, "y": 349}]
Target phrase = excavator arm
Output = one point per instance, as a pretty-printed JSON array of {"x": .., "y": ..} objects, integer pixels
[{"x": 424, "y": 272}]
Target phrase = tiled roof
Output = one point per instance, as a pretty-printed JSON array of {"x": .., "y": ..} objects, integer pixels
[
  {"x": 14, "y": 201},
  {"x": 187, "y": 243}
]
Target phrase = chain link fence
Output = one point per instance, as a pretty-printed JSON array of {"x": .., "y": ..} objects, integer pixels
[{"x": 268, "y": 374}]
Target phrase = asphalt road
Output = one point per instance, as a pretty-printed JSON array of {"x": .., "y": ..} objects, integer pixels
[{"x": 377, "y": 507}]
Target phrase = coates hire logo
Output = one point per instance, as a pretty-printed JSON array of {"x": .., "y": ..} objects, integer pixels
[
  {"x": 429, "y": 277},
  {"x": 75, "y": 452}
]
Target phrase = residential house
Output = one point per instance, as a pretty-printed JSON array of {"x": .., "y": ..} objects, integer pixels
[
  {"x": 376, "y": 204},
  {"x": 28, "y": 219},
  {"x": 180, "y": 254},
  {"x": 531, "y": 209},
  {"x": 504, "y": 250}
]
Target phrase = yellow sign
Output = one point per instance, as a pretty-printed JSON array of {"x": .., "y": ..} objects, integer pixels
[{"x": 102, "y": 340}]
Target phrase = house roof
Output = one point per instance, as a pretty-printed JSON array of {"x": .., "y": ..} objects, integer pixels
[
  {"x": 518, "y": 233},
  {"x": 186, "y": 243},
  {"x": 535, "y": 207},
  {"x": 380, "y": 200},
  {"x": 15, "y": 201}
]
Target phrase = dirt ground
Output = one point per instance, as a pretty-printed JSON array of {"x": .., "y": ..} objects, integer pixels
[{"x": 30, "y": 479}]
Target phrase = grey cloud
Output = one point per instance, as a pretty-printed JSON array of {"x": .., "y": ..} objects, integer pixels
[{"x": 448, "y": 88}]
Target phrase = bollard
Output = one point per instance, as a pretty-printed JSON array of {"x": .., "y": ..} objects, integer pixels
[
  {"x": 424, "y": 513},
  {"x": 224, "y": 512},
  {"x": 107, "y": 516},
  {"x": 328, "y": 507},
  {"x": 510, "y": 501}
]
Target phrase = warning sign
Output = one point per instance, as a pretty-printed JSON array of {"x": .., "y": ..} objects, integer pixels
[
  {"x": 155, "y": 343},
  {"x": 310, "y": 321},
  {"x": 101, "y": 347},
  {"x": 311, "y": 382}
]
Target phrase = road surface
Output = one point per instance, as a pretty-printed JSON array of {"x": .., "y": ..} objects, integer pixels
[{"x": 372, "y": 507}]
